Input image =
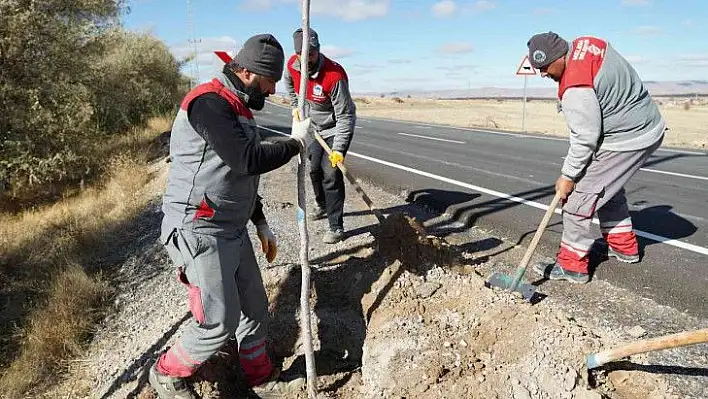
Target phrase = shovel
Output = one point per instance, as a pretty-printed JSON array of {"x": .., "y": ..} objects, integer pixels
[
  {"x": 513, "y": 283},
  {"x": 595, "y": 360},
  {"x": 353, "y": 181}
]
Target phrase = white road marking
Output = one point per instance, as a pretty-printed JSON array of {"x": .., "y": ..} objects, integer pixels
[
  {"x": 466, "y": 167},
  {"x": 687, "y": 176},
  {"x": 654, "y": 237},
  {"x": 683, "y": 152},
  {"x": 526, "y": 136},
  {"x": 432, "y": 138},
  {"x": 663, "y": 172},
  {"x": 518, "y": 135}
]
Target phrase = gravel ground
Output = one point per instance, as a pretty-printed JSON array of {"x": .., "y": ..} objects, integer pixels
[{"x": 383, "y": 328}]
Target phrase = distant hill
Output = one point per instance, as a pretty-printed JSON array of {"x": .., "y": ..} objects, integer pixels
[{"x": 677, "y": 88}]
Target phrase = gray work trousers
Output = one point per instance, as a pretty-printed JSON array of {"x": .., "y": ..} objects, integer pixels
[
  {"x": 601, "y": 190},
  {"x": 226, "y": 297}
]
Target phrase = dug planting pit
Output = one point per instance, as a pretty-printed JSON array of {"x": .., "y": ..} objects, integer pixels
[{"x": 401, "y": 237}]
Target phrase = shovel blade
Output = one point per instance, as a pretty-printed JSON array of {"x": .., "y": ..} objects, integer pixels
[{"x": 504, "y": 281}]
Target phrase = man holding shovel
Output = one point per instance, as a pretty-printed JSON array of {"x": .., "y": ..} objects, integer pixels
[
  {"x": 333, "y": 114},
  {"x": 212, "y": 193},
  {"x": 614, "y": 128}
]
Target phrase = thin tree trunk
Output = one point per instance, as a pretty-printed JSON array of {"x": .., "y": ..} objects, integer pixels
[{"x": 305, "y": 323}]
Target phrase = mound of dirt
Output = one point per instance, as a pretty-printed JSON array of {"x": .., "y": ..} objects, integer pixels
[
  {"x": 408, "y": 321},
  {"x": 464, "y": 340},
  {"x": 401, "y": 237}
]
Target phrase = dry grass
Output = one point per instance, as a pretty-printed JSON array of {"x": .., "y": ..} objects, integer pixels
[
  {"x": 687, "y": 124},
  {"x": 49, "y": 269}
]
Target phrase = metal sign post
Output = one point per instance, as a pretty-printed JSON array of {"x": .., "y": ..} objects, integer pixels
[{"x": 525, "y": 69}]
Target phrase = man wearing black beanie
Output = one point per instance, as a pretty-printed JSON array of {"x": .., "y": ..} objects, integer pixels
[
  {"x": 615, "y": 126},
  {"x": 211, "y": 195}
]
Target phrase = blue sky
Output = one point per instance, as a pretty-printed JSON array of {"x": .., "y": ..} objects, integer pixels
[{"x": 388, "y": 45}]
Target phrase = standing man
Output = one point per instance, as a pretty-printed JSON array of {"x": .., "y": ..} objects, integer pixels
[
  {"x": 212, "y": 193},
  {"x": 333, "y": 115},
  {"x": 614, "y": 128}
]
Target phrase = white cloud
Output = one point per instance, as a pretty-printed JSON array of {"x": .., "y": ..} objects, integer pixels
[
  {"x": 400, "y": 61},
  {"x": 455, "y": 48},
  {"x": 636, "y": 59},
  {"x": 543, "y": 11},
  {"x": 636, "y": 2},
  {"x": 463, "y": 68},
  {"x": 335, "y": 52},
  {"x": 648, "y": 30},
  {"x": 256, "y": 5},
  {"x": 348, "y": 10},
  {"x": 206, "y": 47},
  {"x": 364, "y": 69},
  {"x": 482, "y": 5},
  {"x": 694, "y": 60},
  {"x": 444, "y": 8},
  {"x": 206, "y": 60}
]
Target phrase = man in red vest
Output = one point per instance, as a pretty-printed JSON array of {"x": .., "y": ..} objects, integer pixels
[
  {"x": 333, "y": 114},
  {"x": 615, "y": 126}
]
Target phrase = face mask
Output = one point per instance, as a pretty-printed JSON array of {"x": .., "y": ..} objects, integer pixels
[
  {"x": 312, "y": 65},
  {"x": 256, "y": 99}
]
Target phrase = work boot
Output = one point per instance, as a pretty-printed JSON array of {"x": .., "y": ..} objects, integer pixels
[
  {"x": 168, "y": 387},
  {"x": 333, "y": 236},
  {"x": 622, "y": 257},
  {"x": 554, "y": 271},
  {"x": 277, "y": 387},
  {"x": 319, "y": 213}
]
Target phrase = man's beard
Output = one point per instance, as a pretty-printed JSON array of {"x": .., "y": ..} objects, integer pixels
[{"x": 256, "y": 98}]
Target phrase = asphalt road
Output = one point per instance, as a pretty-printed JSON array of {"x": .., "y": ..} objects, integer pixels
[{"x": 504, "y": 181}]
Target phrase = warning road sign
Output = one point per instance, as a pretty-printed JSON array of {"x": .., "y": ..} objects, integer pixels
[{"x": 525, "y": 68}]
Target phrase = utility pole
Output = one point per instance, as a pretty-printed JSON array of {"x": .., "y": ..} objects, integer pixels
[{"x": 193, "y": 40}]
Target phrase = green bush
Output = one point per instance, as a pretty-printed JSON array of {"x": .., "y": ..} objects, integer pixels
[
  {"x": 69, "y": 75},
  {"x": 136, "y": 78}
]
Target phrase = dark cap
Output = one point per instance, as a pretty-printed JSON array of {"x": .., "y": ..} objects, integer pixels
[
  {"x": 314, "y": 40},
  {"x": 544, "y": 48},
  {"x": 262, "y": 55}
]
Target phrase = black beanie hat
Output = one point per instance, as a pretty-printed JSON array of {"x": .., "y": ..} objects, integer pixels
[
  {"x": 544, "y": 48},
  {"x": 262, "y": 55},
  {"x": 314, "y": 40}
]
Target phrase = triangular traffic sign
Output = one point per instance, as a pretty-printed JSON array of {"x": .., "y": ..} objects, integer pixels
[{"x": 525, "y": 68}]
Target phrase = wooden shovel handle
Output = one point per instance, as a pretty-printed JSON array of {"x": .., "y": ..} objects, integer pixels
[
  {"x": 539, "y": 231},
  {"x": 648, "y": 345},
  {"x": 357, "y": 187}
]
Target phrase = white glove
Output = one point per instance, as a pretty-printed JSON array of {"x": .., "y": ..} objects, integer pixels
[
  {"x": 301, "y": 131},
  {"x": 269, "y": 244}
]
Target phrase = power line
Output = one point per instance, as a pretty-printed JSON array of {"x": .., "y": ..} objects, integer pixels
[{"x": 193, "y": 40}]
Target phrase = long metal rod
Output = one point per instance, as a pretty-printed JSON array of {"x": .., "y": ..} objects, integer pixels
[{"x": 305, "y": 323}]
